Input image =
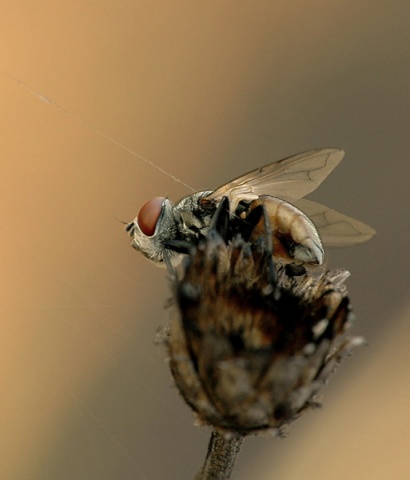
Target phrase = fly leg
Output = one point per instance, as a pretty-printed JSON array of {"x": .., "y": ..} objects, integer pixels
[
  {"x": 269, "y": 246},
  {"x": 178, "y": 246},
  {"x": 220, "y": 220},
  {"x": 247, "y": 228}
]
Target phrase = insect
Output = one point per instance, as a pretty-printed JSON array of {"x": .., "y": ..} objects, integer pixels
[{"x": 300, "y": 227}]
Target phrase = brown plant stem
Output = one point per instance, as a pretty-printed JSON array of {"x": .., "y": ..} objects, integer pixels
[{"x": 221, "y": 456}]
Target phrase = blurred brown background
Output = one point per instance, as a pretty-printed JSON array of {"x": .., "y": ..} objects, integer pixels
[{"x": 207, "y": 91}]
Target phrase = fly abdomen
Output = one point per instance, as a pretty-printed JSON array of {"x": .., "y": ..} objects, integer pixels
[{"x": 295, "y": 238}]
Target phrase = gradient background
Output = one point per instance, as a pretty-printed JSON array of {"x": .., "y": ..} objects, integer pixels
[{"x": 206, "y": 90}]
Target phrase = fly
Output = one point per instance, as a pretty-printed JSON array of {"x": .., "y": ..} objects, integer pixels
[{"x": 300, "y": 227}]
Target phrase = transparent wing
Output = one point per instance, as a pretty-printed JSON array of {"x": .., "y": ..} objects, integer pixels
[
  {"x": 335, "y": 229},
  {"x": 291, "y": 178}
]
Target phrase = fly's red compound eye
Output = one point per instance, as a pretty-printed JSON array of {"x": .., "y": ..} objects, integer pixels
[{"x": 149, "y": 214}]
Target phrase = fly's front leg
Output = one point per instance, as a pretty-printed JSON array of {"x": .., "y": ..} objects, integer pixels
[{"x": 178, "y": 246}]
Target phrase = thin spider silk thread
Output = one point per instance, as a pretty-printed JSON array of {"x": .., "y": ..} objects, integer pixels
[{"x": 92, "y": 127}]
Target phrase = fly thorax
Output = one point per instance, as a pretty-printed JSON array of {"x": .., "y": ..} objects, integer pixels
[{"x": 192, "y": 218}]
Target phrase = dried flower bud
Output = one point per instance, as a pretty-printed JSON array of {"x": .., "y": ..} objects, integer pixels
[{"x": 251, "y": 342}]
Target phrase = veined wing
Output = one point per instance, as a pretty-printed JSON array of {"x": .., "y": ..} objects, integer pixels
[
  {"x": 335, "y": 229},
  {"x": 291, "y": 178}
]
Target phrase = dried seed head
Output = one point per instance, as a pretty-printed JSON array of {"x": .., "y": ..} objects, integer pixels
[{"x": 250, "y": 342}]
